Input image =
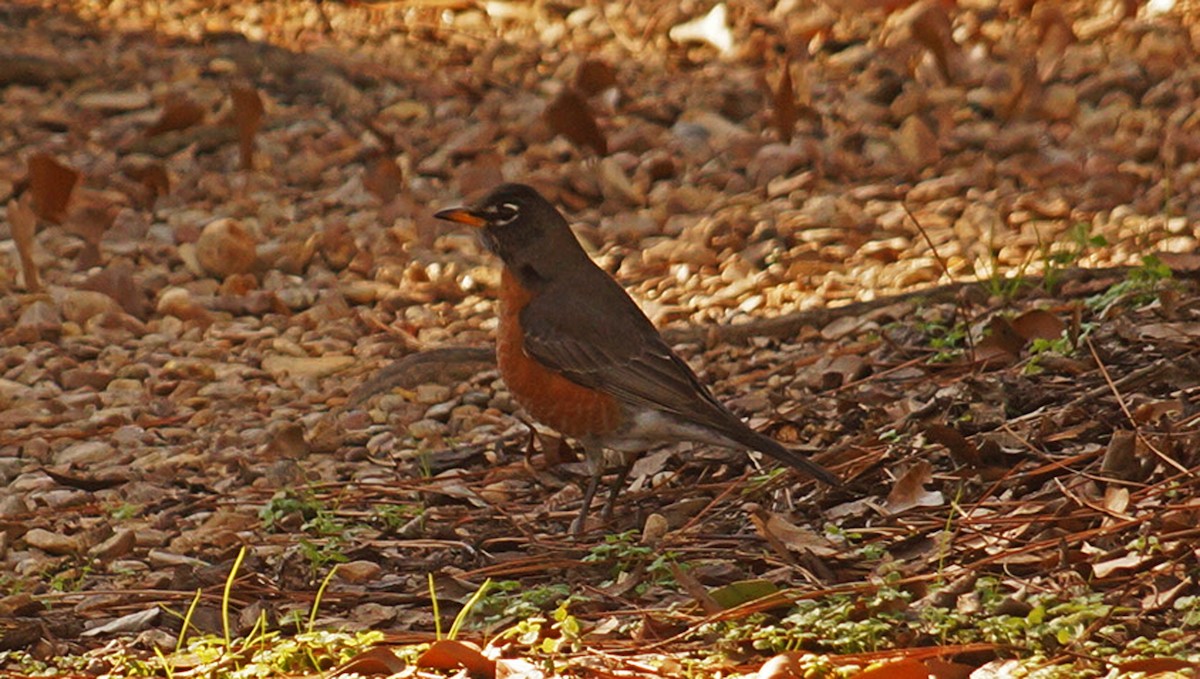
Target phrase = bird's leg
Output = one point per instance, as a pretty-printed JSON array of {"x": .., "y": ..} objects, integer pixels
[
  {"x": 617, "y": 485},
  {"x": 588, "y": 495},
  {"x": 595, "y": 462}
]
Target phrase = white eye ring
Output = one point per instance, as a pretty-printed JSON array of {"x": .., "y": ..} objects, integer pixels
[{"x": 511, "y": 208}]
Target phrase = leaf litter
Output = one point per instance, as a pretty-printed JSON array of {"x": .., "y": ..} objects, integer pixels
[{"x": 910, "y": 241}]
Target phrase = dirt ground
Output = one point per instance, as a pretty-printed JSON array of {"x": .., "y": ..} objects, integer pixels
[{"x": 949, "y": 249}]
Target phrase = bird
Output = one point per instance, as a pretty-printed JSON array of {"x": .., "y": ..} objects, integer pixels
[{"x": 580, "y": 356}]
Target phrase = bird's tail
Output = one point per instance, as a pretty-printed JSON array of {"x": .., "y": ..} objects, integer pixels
[{"x": 775, "y": 449}]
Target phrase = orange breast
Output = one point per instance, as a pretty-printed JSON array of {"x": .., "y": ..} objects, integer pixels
[{"x": 548, "y": 397}]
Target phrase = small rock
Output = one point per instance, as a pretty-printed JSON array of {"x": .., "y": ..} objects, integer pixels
[
  {"x": 78, "y": 306},
  {"x": 774, "y": 160},
  {"x": 632, "y": 226},
  {"x": 359, "y": 571},
  {"x": 426, "y": 429},
  {"x": 320, "y": 366},
  {"x": 85, "y": 453},
  {"x": 440, "y": 411},
  {"x": 76, "y": 378},
  {"x": 39, "y": 320},
  {"x": 51, "y": 543},
  {"x": 119, "y": 544},
  {"x": 1058, "y": 102},
  {"x": 918, "y": 145},
  {"x": 115, "y": 102},
  {"x": 428, "y": 394},
  {"x": 11, "y": 391},
  {"x": 178, "y": 302},
  {"x": 615, "y": 185},
  {"x": 13, "y": 506},
  {"x": 226, "y": 247}
]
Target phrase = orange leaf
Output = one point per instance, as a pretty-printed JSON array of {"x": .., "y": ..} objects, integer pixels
[
  {"x": 910, "y": 492},
  {"x": 784, "y": 112},
  {"x": 377, "y": 661},
  {"x": 594, "y": 76},
  {"x": 178, "y": 113},
  {"x": 1039, "y": 324},
  {"x": 449, "y": 654},
  {"x": 154, "y": 177},
  {"x": 23, "y": 223},
  {"x": 247, "y": 114},
  {"x": 51, "y": 184},
  {"x": 384, "y": 179},
  {"x": 901, "y": 669},
  {"x": 1002, "y": 343},
  {"x": 1158, "y": 665},
  {"x": 570, "y": 116},
  {"x": 963, "y": 451}
]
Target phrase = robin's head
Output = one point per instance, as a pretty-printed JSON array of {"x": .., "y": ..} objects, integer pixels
[{"x": 524, "y": 230}]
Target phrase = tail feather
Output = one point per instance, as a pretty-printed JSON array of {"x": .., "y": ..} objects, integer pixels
[{"x": 769, "y": 446}]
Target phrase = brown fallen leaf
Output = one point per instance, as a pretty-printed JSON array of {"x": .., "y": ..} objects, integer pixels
[
  {"x": 963, "y": 451},
  {"x": 247, "y": 116},
  {"x": 154, "y": 177},
  {"x": 1039, "y": 324},
  {"x": 910, "y": 491},
  {"x": 570, "y": 116},
  {"x": 1002, "y": 344},
  {"x": 901, "y": 669},
  {"x": 784, "y": 113},
  {"x": 179, "y": 113},
  {"x": 51, "y": 184},
  {"x": 384, "y": 178},
  {"x": 594, "y": 76},
  {"x": 796, "y": 538},
  {"x": 377, "y": 661},
  {"x": 23, "y": 223},
  {"x": 88, "y": 484},
  {"x": 450, "y": 654}
]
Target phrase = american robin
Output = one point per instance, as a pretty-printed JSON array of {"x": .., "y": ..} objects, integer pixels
[{"x": 580, "y": 356}]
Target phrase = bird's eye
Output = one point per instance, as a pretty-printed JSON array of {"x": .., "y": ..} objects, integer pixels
[{"x": 505, "y": 213}]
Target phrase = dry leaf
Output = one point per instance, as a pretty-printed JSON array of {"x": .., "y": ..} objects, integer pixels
[
  {"x": 594, "y": 76},
  {"x": 963, "y": 451},
  {"x": 449, "y": 654},
  {"x": 384, "y": 179},
  {"x": 1002, "y": 343},
  {"x": 744, "y": 591},
  {"x": 901, "y": 669},
  {"x": 1120, "y": 458},
  {"x": 154, "y": 177},
  {"x": 179, "y": 113},
  {"x": 51, "y": 184},
  {"x": 909, "y": 490},
  {"x": 570, "y": 116},
  {"x": 797, "y": 538},
  {"x": 931, "y": 27},
  {"x": 1039, "y": 324},
  {"x": 1126, "y": 562},
  {"x": 23, "y": 223},
  {"x": 247, "y": 115},
  {"x": 784, "y": 113},
  {"x": 377, "y": 661}
]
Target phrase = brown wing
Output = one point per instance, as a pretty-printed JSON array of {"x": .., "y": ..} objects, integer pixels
[{"x": 607, "y": 343}]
